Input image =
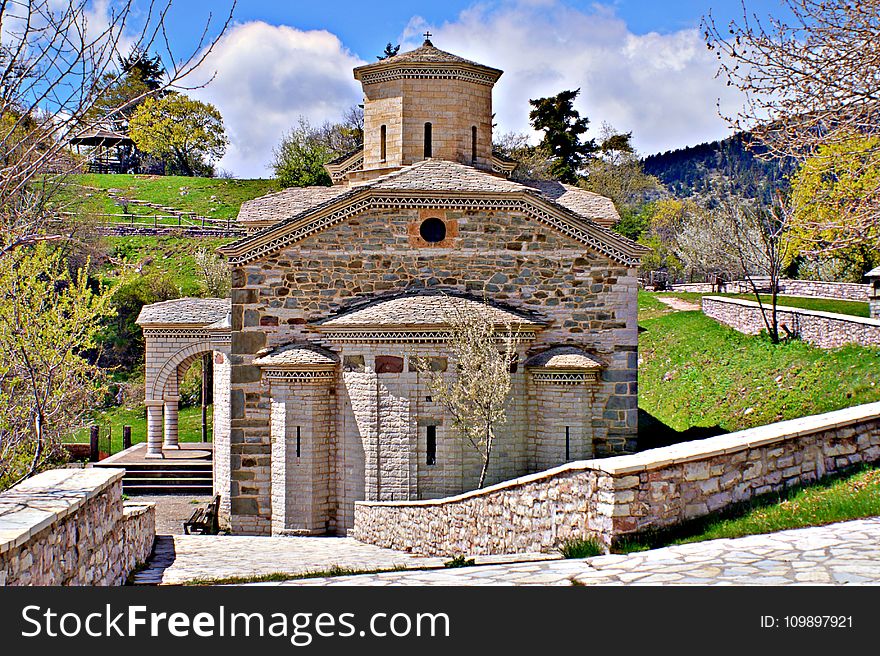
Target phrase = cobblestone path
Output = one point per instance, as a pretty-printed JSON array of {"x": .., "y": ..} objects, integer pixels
[{"x": 844, "y": 553}]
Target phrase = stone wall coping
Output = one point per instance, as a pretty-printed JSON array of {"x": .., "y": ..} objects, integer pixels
[
  {"x": 684, "y": 452},
  {"x": 47, "y": 498},
  {"x": 787, "y": 308}
]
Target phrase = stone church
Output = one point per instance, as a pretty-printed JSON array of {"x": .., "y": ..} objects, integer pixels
[{"x": 335, "y": 290}]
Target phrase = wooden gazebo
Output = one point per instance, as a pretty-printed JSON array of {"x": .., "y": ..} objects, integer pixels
[{"x": 108, "y": 152}]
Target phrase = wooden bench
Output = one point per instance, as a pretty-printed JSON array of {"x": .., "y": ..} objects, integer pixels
[{"x": 205, "y": 519}]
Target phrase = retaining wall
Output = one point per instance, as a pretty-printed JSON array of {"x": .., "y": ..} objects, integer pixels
[
  {"x": 70, "y": 527},
  {"x": 848, "y": 291},
  {"x": 821, "y": 329},
  {"x": 616, "y": 497}
]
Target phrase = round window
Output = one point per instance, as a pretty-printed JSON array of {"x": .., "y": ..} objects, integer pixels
[{"x": 433, "y": 230}]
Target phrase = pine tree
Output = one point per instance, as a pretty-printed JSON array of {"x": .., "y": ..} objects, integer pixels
[
  {"x": 390, "y": 51},
  {"x": 563, "y": 130}
]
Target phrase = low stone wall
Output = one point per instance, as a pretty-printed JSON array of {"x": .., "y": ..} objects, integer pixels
[
  {"x": 848, "y": 291},
  {"x": 813, "y": 288},
  {"x": 616, "y": 497},
  {"x": 70, "y": 527},
  {"x": 730, "y": 287},
  {"x": 821, "y": 329}
]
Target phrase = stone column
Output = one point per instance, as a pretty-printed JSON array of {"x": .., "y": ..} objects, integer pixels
[
  {"x": 171, "y": 441},
  {"x": 154, "y": 428}
]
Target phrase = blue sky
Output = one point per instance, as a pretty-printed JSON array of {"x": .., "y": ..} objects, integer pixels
[{"x": 641, "y": 66}]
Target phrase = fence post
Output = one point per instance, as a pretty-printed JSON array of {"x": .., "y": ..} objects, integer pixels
[
  {"x": 94, "y": 433},
  {"x": 126, "y": 437}
]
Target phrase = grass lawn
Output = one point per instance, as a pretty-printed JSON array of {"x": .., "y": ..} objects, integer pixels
[
  {"x": 694, "y": 372},
  {"x": 211, "y": 197},
  {"x": 189, "y": 426},
  {"x": 855, "y": 308},
  {"x": 172, "y": 255},
  {"x": 835, "y": 499}
]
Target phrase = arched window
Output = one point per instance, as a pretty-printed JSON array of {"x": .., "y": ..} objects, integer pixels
[
  {"x": 474, "y": 143},
  {"x": 382, "y": 141},
  {"x": 428, "y": 139}
]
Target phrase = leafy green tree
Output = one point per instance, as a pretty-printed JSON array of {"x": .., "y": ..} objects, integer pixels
[
  {"x": 564, "y": 129},
  {"x": 188, "y": 133},
  {"x": 298, "y": 160},
  {"x": 49, "y": 318},
  {"x": 618, "y": 173}
]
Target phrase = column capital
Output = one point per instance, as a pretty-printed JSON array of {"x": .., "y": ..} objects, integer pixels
[
  {"x": 154, "y": 403},
  {"x": 170, "y": 398}
]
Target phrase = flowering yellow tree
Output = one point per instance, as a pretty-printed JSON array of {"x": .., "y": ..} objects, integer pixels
[{"x": 831, "y": 196}]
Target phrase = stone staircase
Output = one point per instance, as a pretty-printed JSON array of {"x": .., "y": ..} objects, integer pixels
[
  {"x": 186, "y": 471},
  {"x": 167, "y": 477}
]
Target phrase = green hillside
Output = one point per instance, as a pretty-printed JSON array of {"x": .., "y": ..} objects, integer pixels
[{"x": 214, "y": 198}]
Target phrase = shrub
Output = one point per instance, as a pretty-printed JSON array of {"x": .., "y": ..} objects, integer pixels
[{"x": 581, "y": 548}]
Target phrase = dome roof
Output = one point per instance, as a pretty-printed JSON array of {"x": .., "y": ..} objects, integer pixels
[{"x": 563, "y": 357}]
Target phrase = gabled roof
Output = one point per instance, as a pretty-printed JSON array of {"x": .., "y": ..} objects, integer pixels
[
  {"x": 425, "y": 310},
  {"x": 873, "y": 273},
  {"x": 563, "y": 358},
  {"x": 285, "y": 203},
  {"x": 185, "y": 312},
  {"x": 443, "y": 175},
  {"x": 433, "y": 183},
  {"x": 586, "y": 203}
]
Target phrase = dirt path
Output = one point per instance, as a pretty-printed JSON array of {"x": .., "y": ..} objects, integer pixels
[{"x": 678, "y": 304}]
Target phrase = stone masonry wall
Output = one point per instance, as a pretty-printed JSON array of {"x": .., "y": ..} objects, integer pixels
[
  {"x": 221, "y": 427},
  {"x": 70, "y": 527},
  {"x": 615, "y": 497},
  {"x": 586, "y": 299},
  {"x": 821, "y": 329},
  {"x": 848, "y": 291}
]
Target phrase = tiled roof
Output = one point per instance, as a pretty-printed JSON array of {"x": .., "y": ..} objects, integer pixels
[
  {"x": 443, "y": 175},
  {"x": 287, "y": 203},
  {"x": 431, "y": 175},
  {"x": 426, "y": 310},
  {"x": 429, "y": 54},
  {"x": 580, "y": 201},
  {"x": 185, "y": 311},
  {"x": 563, "y": 357},
  {"x": 295, "y": 355}
]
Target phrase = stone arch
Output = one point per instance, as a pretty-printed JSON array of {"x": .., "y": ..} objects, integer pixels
[{"x": 182, "y": 358}]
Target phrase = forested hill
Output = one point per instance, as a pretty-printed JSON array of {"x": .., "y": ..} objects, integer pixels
[{"x": 690, "y": 171}]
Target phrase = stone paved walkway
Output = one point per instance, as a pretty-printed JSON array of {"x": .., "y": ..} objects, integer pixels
[
  {"x": 186, "y": 558},
  {"x": 843, "y": 553}
]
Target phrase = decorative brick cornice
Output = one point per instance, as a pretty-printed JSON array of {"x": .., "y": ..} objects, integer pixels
[
  {"x": 365, "y": 335},
  {"x": 302, "y": 376},
  {"x": 549, "y": 377},
  {"x": 466, "y": 73},
  {"x": 592, "y": 235},
  {"x": 187, "y": 333},
  {"x": 339, "y": 170}
]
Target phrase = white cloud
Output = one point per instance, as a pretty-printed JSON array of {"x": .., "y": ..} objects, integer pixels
[
  {"x": 660, "y": 86},
  {"x": 266, "y": 77}
]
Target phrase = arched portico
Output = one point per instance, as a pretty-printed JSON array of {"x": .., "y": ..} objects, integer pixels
[{"x": 176, "y": 333}]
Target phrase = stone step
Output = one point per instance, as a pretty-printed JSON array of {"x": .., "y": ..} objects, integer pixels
[
  {"x": 164, "y": 488},
  {"x": 167, "y": 473}
]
